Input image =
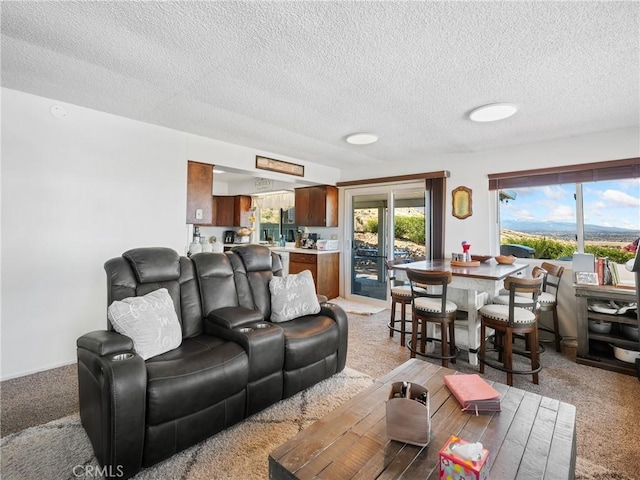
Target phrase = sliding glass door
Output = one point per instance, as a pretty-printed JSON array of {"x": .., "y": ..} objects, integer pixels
[{"x": 385, "y": 223}]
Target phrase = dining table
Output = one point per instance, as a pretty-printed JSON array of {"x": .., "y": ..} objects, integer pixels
[{"x": 473, "y": 287}]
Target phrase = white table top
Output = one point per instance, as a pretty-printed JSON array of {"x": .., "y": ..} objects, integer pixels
[{"x": 490, "y": 270}]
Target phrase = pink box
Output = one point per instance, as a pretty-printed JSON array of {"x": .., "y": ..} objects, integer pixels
[{"x": 453, "y": 467}]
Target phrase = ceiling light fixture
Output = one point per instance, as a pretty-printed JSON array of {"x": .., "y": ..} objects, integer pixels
[
  {"x": 362, "y": 138},
  {"x": 217, "y": 170},
  {"x": 493, "y": 112}
]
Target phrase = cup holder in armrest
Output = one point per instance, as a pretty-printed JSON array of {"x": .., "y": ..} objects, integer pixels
[
  {"x": 263, "y": 325},
  {"x": 122, "y": 356},
  {"x": 245, "y": 330}
]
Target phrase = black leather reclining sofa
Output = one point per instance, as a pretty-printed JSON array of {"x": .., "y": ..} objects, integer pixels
[{"x": 232, "y": 362}]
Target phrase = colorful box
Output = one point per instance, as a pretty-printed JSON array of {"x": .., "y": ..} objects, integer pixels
[{"x": 453, "y": 467}]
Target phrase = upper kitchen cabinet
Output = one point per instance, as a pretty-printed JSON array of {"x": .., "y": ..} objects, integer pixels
[
  {"x": 231, "y": 210},
  {"x": 199, "y": 184},
  {"x": 317, "y": 206}
]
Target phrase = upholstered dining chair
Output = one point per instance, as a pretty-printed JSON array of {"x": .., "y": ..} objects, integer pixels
[
  {"x": 549, "y": 299},
  {"x": 400, "y": 294},
  {"x": 519, "y": 317},
  {"x": 430, "y": 304},
  {"x": 503, "y": 298}
]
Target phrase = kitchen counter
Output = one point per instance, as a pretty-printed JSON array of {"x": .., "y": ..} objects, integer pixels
[{"x": 278, "y": 248}]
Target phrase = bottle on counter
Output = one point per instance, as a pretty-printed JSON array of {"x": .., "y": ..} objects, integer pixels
[
  {"x": 195, "y": 247},
  {"x": 283, "y": 242},
  {"x": 206, "y": 244}
]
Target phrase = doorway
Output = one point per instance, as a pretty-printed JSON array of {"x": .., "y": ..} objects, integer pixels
[{"x": 385, "y": 223}]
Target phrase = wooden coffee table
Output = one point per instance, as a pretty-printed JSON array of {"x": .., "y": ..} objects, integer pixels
[{"x": 532, "y": 437}]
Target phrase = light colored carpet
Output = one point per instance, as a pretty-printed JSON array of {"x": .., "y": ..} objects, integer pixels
[
  {"x": 608, "y": 414},
  {"x": 357, "y": 308},
  {"x": 61, "y": 449}
]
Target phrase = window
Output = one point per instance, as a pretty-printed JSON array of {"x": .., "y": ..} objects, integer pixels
[
  {"x": 557, "y": 212},
  {"x": 277, "y": 216}
]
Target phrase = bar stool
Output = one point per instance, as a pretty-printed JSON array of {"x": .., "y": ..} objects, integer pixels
[
  {"x": 503, "y": 299},
  {"x": 399, "y": 294},
  {"x": 432, "y": 306},
  {"x": 520, "y": 317},
  {"x": 549, "y": 299}
]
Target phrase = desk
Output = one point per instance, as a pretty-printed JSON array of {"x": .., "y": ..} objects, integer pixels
[
  {"x": 532, "y": 437},
  {"x": 479, "y": 284}
]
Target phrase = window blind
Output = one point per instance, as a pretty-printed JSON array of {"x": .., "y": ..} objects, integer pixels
[{"x": 582, "y": 173}]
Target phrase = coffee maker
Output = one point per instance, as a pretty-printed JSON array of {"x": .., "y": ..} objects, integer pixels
[{"x": 229, "y": 236}]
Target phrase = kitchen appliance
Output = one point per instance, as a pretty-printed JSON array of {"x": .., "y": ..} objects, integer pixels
[
  {"x": 229, "y": 236},
  {"x": 599, "y": 326},
  {"x": 630, "y": 332},
  {"x": 327, "y": 244},
  {"x": 625, "y": 355},
  {"x": 310, "y": 241}
]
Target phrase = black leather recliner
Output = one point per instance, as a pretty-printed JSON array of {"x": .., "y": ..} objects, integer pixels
[{"x": 232, "y": 361}]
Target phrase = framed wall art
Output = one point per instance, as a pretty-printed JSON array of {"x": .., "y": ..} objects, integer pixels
[
  {"x": 279, "y": 166},
  {"x": 461, "y": 203}
]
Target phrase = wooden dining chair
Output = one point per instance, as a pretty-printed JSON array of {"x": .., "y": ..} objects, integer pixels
[
  {"x": 549, "y": 300},
  {"x": 400, "y": 294},
  {"x": 519, "y": 317},
  {"x": 503, "y": 299},
  {"x": 431, "y": 305}
]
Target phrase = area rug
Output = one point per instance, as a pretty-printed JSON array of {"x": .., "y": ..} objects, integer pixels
[
  {"x": 60, "y": 449},
  {"x": 358, "y": 308}
]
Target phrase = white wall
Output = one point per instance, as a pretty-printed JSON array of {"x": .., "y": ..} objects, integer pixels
[
  {"x": 75, "y": 193},
  {"x": 472, "y": 169},
  {"x": 78, "y": 191}
]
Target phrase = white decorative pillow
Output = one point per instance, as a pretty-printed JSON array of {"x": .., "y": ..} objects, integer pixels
[
  {"x": 293, "y": 296},
  {"x": 150, "y": 321}
]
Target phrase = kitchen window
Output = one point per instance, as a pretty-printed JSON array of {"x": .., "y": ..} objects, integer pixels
[{"x": 277, "y": 216}]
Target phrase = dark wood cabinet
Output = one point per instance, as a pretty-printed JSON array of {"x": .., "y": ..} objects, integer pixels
[
  {"x": 199, "y": 185},
  {"x": 324, "y": 267},
  {"x": 317, "y": 206},
  {"x": 231, "y": 210},
  {"x": 223, "y": 210}
]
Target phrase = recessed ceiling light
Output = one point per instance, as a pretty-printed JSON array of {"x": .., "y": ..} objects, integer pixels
[
  {"x": 216, "y": 170},
  {"x": 362, "y": 138},
  {"x": 493, "y": 112}
]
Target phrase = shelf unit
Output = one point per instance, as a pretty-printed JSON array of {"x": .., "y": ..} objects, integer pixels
[{"x": 594, "y": 348}]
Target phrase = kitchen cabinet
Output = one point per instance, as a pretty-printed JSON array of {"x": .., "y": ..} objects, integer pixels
[
  {"x": 595, "y": 349},
  {"x": 324, "y": 267},
  {"x": 199, "y": 185},
  {"x": 231, "y": 210},
  {"x": 317, "y": 206}
]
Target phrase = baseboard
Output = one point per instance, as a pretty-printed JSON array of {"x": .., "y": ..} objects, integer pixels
[{"x": 39, "y": 370}]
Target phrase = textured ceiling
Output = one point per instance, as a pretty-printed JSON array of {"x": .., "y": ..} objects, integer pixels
[{"x": 296, "y": 77}]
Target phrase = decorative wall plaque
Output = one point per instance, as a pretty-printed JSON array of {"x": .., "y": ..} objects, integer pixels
[
  {"x": 280, "y": 166},
  {"x": 461, "y": 203}
]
